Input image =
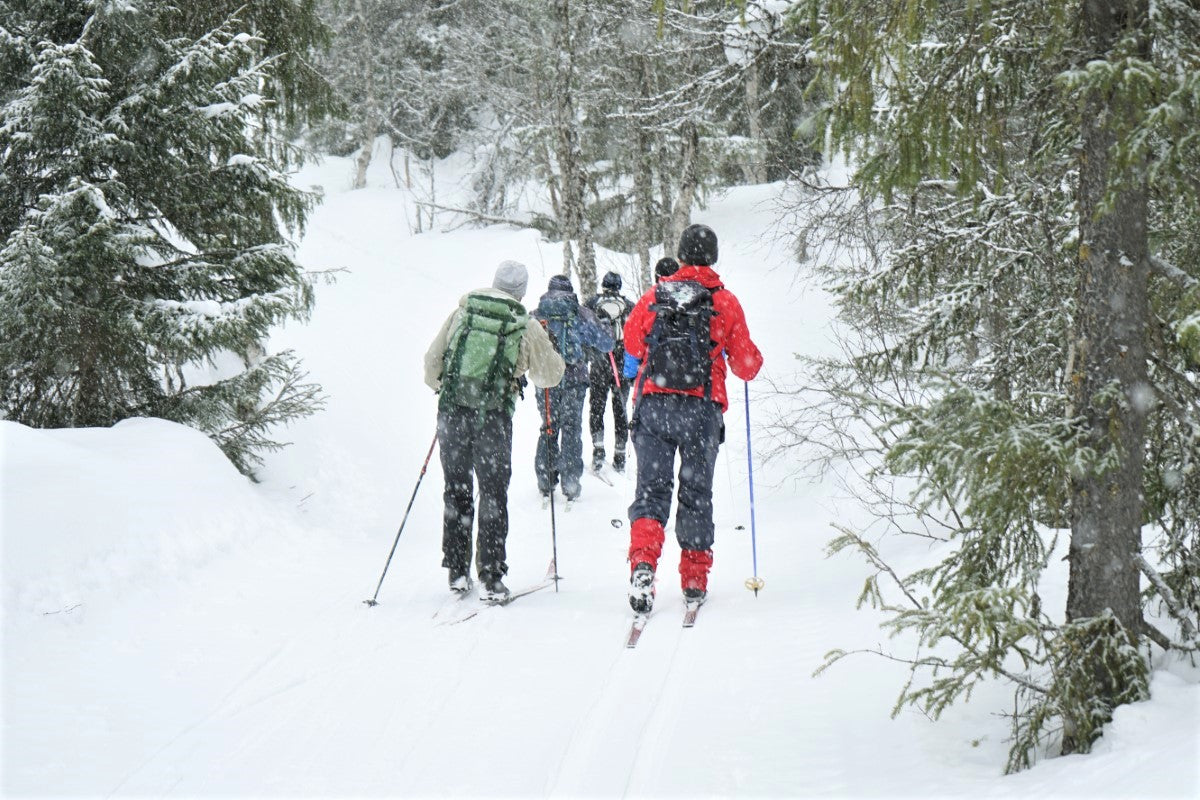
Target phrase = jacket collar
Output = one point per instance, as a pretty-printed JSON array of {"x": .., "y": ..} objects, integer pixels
[{"x": 705, "y": 276}]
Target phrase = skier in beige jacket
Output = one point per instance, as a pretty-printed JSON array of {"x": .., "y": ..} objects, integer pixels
[{"x": 475, "y": 363}]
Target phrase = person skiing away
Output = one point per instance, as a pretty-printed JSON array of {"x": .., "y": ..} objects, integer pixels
[
  {"x": 611, "y": 309},
  {"x": 575, "y": 331},
  {"x": 476, "y": 364},
  {"x": 663, "y": 268},
  {"x": 684, "y": 330}
]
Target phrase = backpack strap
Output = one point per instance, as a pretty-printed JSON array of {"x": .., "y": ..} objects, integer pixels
[{"x": 501, "y": 342}]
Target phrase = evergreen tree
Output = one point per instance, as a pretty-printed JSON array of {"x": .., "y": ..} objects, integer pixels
[
  {"x": 1020, "y": 337},
  {"x": 290, "y": 33},
  {"x": 141, "y": 226}
]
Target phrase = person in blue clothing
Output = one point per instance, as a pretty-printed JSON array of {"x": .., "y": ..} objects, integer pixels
[{"x": 577, "y": 336}]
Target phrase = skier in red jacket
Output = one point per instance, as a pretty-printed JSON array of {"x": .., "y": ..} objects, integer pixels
[{"x": 683, "y": 330}]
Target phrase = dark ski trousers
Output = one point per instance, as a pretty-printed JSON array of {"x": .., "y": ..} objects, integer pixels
[
  {"x": 470, "y": 443},
  {"x": 562, "y": 452},
  {"x": 600, "y": 384},
  {"x": 663, "y": 425}
]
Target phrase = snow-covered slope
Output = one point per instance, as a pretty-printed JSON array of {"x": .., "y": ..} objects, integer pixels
[{"x": 171, "y": 629}]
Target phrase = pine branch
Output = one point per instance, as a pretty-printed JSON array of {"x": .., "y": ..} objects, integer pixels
[
  {"x": 873, "y": 557},
  {"x": 1166, "y": 269},
  {"x": 1168, "y": 597}
]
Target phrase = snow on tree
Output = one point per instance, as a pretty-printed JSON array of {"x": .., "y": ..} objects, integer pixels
[
  {"x": 143, "y": 227},
  {"x": 622, "y": 120},
  {"x": 1018, "y": 337}
]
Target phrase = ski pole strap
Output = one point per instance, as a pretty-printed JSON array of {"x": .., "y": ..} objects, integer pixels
[{"x": 616, "y": 375}]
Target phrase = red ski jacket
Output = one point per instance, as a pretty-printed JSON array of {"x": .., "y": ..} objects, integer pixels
[{"x": 728, "y": 330}]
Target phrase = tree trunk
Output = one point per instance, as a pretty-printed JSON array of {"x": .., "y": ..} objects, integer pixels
[
  {"x": 365, "y": 151},
  {"x": 368, "y": 117},
  {"x": 755, "y": 169},
  {"x": 1110, "y": 364},
  {"x": 681, "y": 213},
  {"x": 665, "y": 185},
  {"x": 643, "y": 187},
  {"x": 574, "y": 218}
]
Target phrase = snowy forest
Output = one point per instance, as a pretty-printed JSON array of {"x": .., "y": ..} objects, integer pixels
[{"x": 966, "y": 233}]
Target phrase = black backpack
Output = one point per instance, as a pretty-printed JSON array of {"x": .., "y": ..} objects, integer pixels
[{"x": 679, "y": 344}]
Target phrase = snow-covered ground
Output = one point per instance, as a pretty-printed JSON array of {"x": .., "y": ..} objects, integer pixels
[{"x": 171, "y": 629}]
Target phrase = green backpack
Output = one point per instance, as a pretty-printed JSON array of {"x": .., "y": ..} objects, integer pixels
[{"x": 481, "y": 355}]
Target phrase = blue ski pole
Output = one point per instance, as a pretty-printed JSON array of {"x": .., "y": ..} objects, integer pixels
[{"x": 755, "y": 583}]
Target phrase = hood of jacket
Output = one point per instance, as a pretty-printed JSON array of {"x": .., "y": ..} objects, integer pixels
[
  {"x": 705, "y": 276},
  {"x": 490, "y": 291}
]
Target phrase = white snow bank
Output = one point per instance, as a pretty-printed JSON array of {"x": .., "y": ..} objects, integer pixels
[
  {"x": 90, "y": 512},
  {"x": 1150, "y": 749}
]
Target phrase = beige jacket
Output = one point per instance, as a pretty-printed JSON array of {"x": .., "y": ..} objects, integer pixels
[{"x": 537, "y": 355}]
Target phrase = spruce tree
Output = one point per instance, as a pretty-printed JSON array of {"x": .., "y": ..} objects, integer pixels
[
  {"x": 1020, "y": 337},
  {"x": 144, "y": 226}
]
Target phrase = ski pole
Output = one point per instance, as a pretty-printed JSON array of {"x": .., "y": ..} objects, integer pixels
[
  {"x": 755, "y": 583},
  {"x": 373, "y": 600},
  {"x": 616, "y": 376},
  {"x": 552, "y": 465}
]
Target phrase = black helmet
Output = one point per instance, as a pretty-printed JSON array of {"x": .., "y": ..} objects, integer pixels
[
  {"x": 666, "y": 266},
  {"x": 698, "y": 246},
  {"x": 612, "y": 281}
]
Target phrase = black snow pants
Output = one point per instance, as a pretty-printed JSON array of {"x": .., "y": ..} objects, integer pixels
[
  {"x": 470, "y": 443},
  {"x": 666, "y": 424},
  {"x": 600, "y": 383},
  {"x": 561, "y": 455}
]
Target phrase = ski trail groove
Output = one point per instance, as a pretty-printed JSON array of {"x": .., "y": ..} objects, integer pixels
[
  {"x": 663, "y": 687},
  {"x": 584, "y": 723}
]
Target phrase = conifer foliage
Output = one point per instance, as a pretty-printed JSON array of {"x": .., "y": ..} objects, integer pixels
[
  {"x": 1018, "y": 361},
  {"x": 143, "y": 212}
]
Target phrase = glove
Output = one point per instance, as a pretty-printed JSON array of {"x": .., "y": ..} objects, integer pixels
[{"x": 630, "y": 368}]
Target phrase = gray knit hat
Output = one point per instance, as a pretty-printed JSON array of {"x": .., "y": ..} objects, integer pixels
[{"x": 511, "y": 277}]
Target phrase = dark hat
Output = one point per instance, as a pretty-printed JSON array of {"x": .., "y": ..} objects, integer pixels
[
  {"x": 561, "y": 283},
  {"x": 698, "y": 246},
  {"x": 665, "y": 267},
  {"x": 612, "y": 280}
]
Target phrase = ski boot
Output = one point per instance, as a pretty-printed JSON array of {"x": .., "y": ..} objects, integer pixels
[
  {"x": 597, "y": 459},
  {"x": 694, "y": 597},
  {"x": 460, "y": 581},
  {"x": 619, "y": 460},
  {"x": 641, "y": 588},
  {"x": 493, "y": 590}
]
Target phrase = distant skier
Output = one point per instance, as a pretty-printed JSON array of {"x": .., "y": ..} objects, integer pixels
[
  {"x": 575, "y": 332},
  {"x": 665, "y": 267},
  {"x": 611, "y": 309},
  {"x": 683, "y": 331},
  {"x": 475, "y": 363}
]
